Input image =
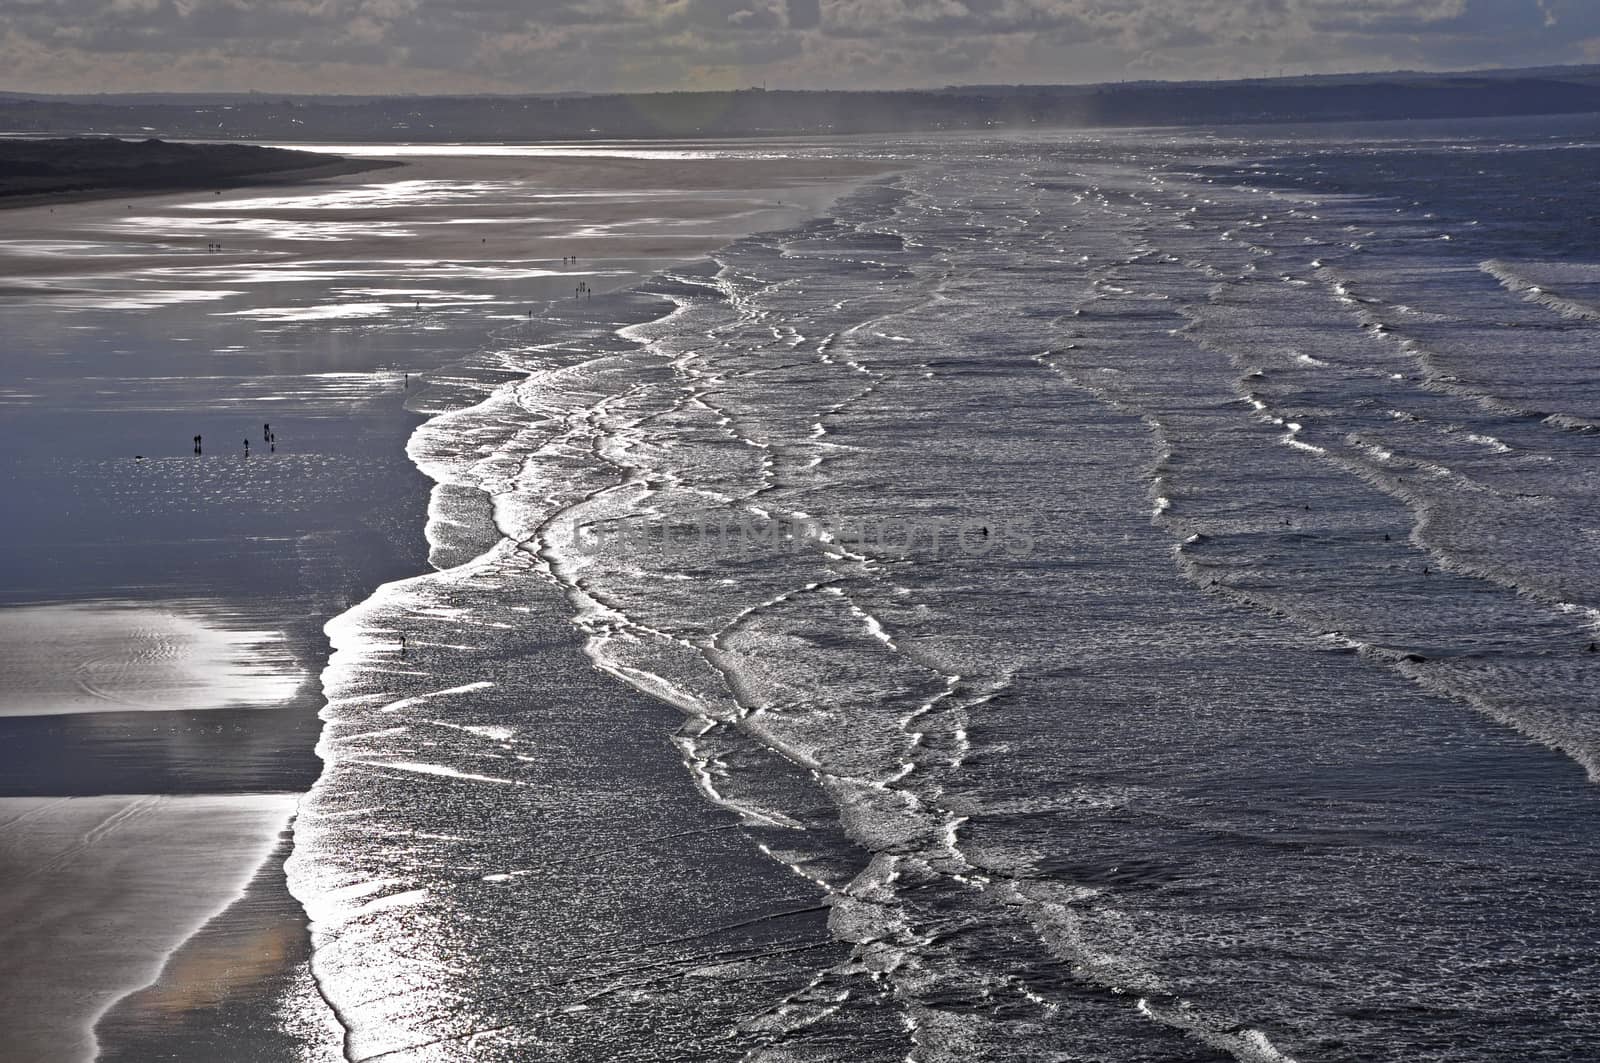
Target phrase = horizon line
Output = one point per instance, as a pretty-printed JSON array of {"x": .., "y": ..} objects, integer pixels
[{"x": 957, "y": 87}]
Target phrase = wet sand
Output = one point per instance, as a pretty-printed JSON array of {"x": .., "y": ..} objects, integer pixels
[
  {"x": 240, "y": 989},
  {"x": 189, "y": 591},
  {"x": 529, "y": 212},
  {"x": 96, "y": 891},
  {"x": 99, "y": 657}
]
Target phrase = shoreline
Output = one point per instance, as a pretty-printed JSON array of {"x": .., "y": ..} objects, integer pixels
[
  {"x": 722, "y": 201},
  {"x": 227, "y": 989},
  {"x": 624, "y": 306}
]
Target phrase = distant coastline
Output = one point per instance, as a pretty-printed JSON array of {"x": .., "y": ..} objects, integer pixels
[
  {"x": 757, "y": 112},
  {"x": 39, "y": 171}
]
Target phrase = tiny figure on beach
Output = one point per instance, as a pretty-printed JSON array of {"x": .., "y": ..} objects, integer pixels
[
  {"x": 1426, "y": 571},
  {"x": 1593, "y": 648},
  {"x": 197, "y": 444},
  {"x": 247, "y": 448},
  {"x": 408, "y": 380},
  {"x": 266, "y": 433},
  {"x": 402, "y": 645}
]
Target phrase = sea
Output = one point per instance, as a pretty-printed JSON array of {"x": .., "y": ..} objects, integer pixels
[
  {"x": 1089, "y": 596},
  {"x": 1136, "y": 593}
]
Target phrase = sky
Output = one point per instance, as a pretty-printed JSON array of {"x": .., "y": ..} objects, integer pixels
[{"x": 444, "y": 46}]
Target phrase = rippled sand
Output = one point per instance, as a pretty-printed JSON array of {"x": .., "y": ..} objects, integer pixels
[{"x": 112, "y": 656}]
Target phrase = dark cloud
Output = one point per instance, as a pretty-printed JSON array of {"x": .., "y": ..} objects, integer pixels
[{"x": 805, "y": 14}]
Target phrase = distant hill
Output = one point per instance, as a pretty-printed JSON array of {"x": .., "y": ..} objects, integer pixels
[
  {"x": 93, "y": 165},
  {"x": 755, "y": 112}
]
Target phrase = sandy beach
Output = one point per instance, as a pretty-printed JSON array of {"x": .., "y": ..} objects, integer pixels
[
  {"x": 53, "y": 170},
  {"x": 99, "y": 889},
  {"x": 164, "y": 601}
]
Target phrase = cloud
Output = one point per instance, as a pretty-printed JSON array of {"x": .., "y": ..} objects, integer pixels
[
  {"x": 804, "y": 14},
  {"x": 599, "y": 45}
]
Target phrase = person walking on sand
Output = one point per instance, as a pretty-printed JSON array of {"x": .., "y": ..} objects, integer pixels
[
  {"x": 247, "y": 448},
  {"x": 402, "y": 644},
  {"x": 266, "y": 433}
]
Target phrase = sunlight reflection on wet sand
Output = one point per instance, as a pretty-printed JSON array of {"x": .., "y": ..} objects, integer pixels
[
  {"x": 120, "y": 881},
  {"x": 84, "y": 657}
]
